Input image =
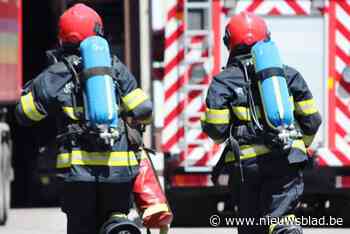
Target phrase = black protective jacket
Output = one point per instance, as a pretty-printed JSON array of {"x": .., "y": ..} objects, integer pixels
[
  {"x": 81, "y": 156},
  {"x": 227, "y": 105}
]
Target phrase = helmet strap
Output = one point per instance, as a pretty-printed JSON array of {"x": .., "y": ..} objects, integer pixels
[{"x": 226, "y": 39}]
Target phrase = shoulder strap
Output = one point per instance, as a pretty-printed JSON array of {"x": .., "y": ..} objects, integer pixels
[
  {"x": 251, "y": 102},
  {"x": 77, "y": 86},
  {"x": 116, "y": 74}
]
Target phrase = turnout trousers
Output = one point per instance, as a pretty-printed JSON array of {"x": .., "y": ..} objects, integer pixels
[
  {"x": 89, "y": 204},
  {"x": 270, "y": 189}
]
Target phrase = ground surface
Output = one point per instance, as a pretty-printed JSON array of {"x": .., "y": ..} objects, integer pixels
[{"x": 52, "y": 221}]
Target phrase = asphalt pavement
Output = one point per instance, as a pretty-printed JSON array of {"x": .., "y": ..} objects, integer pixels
[{"x": 53, "y": 221}]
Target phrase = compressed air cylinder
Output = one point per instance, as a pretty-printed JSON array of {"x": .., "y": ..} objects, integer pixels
[
  {"x": 272, "y": 85},
  {"x": 99, "y": 90}
]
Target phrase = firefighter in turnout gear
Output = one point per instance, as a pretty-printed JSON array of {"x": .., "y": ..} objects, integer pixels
[
  {"x": 267, "y": 169},
  {"x": 97, "y": 176}
]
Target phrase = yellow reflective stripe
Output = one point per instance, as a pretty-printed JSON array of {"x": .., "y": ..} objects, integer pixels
[
  {"x": 229, "y": 157},
  {"x": 217, "y": 116},
  {"x": 29, "y": 108},
  {"x": 222, "y": 116},
  {"x": 154, "y": 209},
  {"x": 70, "y": 111},
  {"x": 272, "y": 227},
  {"x": 118, "y": 215},
  {"x": 252, "y": 151},
  {"x": 299, "y": 144},
  {"x": 248, "y": 151},
  {"x": 306, "y": 107},
  {"x": 241, "y": 112},
  {"x": 78, "y": 157},
  {"x": 286, "y": 220},
  {"x": 134, "y": 98},
  {"x": 308, "y": 139}
]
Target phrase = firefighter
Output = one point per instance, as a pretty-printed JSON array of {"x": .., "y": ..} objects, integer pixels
[
  {"x": 97, "y": 177},
  {"x": 268, "y": 175}
]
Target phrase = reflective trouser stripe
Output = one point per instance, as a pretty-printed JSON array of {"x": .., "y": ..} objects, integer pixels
[
  {"x": 77, "y": 157},
  {"x": 284, "y": 220},
  {"x": 29, "y": 108},
  {"x": 134, "y": 99}
]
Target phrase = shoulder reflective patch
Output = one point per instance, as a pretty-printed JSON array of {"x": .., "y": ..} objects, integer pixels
[
  {"x": 134, "y": 99},
  {"x": 29, "y": 108},
  {"x": 306, "y": 107}
]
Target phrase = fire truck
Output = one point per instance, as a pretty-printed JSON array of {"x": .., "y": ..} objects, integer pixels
[
  {"x": 312, "y": 36},
  {"x": 10, "y": 86}
]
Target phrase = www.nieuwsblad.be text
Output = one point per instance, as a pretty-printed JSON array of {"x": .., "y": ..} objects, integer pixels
[{"x": 216, "y": 220}]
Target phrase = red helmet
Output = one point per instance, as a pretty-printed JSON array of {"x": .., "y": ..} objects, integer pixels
[
  {"x": 78, "y": 23},
  {"x": 245, "y": 29}
]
